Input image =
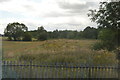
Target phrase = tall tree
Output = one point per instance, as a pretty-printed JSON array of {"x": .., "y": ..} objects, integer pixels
[
  {"x": 108, "y": 17},
  {"x": 15, "y": 30}
]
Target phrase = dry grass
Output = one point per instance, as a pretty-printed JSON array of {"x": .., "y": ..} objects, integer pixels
[{"x": 61, "y": 50}]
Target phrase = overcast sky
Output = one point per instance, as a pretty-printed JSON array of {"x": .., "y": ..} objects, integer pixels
[{"x": 52, "y": 14}]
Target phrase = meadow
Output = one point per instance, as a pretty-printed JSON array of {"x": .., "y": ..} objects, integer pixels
[{"x": 57, "y": 50}]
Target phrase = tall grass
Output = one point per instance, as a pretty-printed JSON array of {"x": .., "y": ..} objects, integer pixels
[
  {"x": 80, "y": 56},
  {"x": 61, "y": 50}
]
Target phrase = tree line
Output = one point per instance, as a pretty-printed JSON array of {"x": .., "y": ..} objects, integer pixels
[{"x": 19, "y": 32}]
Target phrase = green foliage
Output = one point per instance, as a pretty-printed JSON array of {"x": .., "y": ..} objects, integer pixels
[
  {"x": 27, "y": 37},
  {"x": 106, "y": 34},
  {"x": 41, "y": 34},
  {"x": 90, "y": 33},
  {"x": 103, "y": 45},
  {"x": 98, "y": 46},
  {"x": 107, "y": 37},
  {"x": 87, "y": 33},
  {"x": 108, "y": 18},
  {"x": 14, "y": 31},
  {"x": 33, "y": 33}
]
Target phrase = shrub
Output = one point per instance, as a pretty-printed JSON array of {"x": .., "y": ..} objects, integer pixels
[
  {"x": 27, "y": 37},
  {"x": 103, "y": 45},
  {"x": 108, "y": 39},
  {"x": 42, "y": 36},
  {"x": 98, "y": 46}
]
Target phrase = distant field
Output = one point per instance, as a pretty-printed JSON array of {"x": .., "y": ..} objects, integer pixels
[{"x": 60, "y": 50}]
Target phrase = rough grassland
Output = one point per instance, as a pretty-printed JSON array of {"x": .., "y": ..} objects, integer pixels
[{"x": 60, "y": 50}]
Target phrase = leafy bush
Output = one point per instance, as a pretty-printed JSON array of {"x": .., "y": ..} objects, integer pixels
[
  {"x": 27, "y": 37},
  {"x": 103, "y": 45},
  {"x": 42, "y": 36},
  {"x": 108, "y": 40},
  {"x": 98, "y": 46}
]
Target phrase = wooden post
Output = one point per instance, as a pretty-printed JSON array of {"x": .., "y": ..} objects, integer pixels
[
  {"x": 89, "y": 75},
  {"x": 30, "y": 66}
]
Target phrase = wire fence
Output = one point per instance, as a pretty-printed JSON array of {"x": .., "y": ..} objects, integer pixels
[{"x": 20, "y": 69}]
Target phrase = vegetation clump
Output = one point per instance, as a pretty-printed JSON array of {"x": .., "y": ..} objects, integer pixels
[{"x": 27, "y": 37}]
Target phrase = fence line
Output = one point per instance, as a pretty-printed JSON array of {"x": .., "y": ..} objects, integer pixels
[{"x": 30, "y": 69}]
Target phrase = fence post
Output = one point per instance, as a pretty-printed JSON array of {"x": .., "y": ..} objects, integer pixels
[
  {"x": 89, "y": 75},
  {"x": 3, "y": 69},
  {"x": 30, "y": 69}
]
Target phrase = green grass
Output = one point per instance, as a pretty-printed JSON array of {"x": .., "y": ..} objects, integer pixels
[{"x": 60, "y": 50}]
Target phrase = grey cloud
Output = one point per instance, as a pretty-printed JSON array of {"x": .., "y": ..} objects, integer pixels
[
  {"x": 65, "y": 25},
  {"x": 73, "y": 9},
  {"x": 77, "y": 7},
  {"x": 71, "y": 6}
]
